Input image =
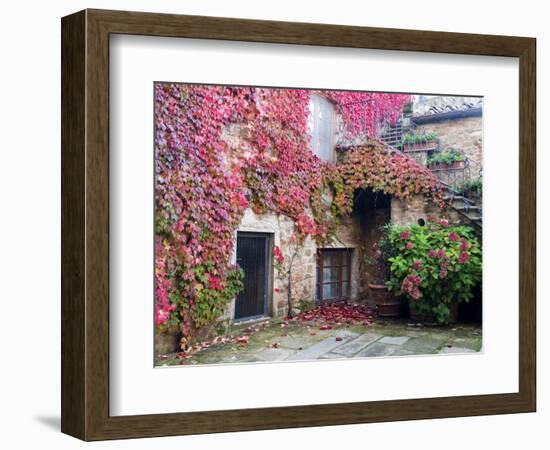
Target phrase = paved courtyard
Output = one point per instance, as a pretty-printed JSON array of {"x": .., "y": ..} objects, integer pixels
[{"x": 301, "y": 341}]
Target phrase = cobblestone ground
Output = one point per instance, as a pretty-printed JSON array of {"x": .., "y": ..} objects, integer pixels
[{"x": 303, "y": 341}]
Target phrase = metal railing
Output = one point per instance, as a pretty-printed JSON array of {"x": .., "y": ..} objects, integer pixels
[{"x": 455, "y": 177}]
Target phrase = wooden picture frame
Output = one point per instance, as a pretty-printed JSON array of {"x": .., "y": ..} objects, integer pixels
[{"x": 85, "y": 224}]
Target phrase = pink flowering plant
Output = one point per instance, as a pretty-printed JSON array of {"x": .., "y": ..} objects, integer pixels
[{"x": 434, "y": 265}]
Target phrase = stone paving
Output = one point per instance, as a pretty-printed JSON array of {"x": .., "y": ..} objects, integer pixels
[{"x": 304, "y": 341}]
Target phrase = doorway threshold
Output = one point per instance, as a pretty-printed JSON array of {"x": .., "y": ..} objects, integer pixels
[{"x": 253, "y": 319}]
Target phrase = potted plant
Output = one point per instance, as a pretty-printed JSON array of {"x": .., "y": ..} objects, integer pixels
[
  {"x": 448, "y": 159},
  {"x": 387, "y": 303},
  {"x": 435, "y": 266},
  {"x": 471, "y": 189},
  {"x": 419, "y": 142}
]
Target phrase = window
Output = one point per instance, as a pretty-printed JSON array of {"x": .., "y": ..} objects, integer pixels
[
  {"x": 333, "y": 274},
  {"x": 323, "y": 128}
]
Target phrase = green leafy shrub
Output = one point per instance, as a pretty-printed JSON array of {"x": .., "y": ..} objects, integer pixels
[
  {"x": 415, "y": 138},
  {"x": 434, "y": 265}
]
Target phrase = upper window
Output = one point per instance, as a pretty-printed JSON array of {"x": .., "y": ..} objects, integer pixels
[{"x": 323, "y": 128}]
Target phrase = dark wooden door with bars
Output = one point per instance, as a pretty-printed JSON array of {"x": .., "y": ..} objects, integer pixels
[{"x": 253, "y": 251}]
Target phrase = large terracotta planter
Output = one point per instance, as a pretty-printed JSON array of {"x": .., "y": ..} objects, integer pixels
[
  {"x": 387, "y": 303},
  {"x": 421, "y": 317}
]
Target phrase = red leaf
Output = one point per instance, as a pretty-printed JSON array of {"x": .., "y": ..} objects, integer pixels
[{"x": 242, "y": 340}]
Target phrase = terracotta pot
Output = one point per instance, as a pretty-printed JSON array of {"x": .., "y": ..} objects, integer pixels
[
  {"x": 443, "y": 166},
  {"x": 440, "y": 166},
  {"x": 418, "y": 316},
  {"x": 420, "y": 146},
  {"x": 387, "y": 303},
  {"x": 458, "y": 165},
  {"x": 430, "y": 145}
]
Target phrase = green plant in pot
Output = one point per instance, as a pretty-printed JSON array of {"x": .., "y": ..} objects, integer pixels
[
  {"x": 378, "y": 272},
  {"x": 446, "y": 158},
  {"x": 471, "y": 189},
  {"x": 417, "y": 138},
  {"x": 436, "y": 266}
]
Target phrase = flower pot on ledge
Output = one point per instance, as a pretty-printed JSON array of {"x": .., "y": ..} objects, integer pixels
[
  {"x": 387, "y": 303},
  {"x": 457, "y": 165},
  {"x": 427, "y": 146}
]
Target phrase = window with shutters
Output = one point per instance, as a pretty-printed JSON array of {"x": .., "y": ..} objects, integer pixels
[{"x": 323, "y": 128}]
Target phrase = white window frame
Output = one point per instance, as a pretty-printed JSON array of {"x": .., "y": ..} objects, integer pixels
[{"x": 317, "y": 102}]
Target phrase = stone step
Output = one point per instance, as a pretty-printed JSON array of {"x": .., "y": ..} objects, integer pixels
[
  {"x": 468, "y": 208},
  {"x": 448, "y": 197},
  {"x": 458, "y": 198}
]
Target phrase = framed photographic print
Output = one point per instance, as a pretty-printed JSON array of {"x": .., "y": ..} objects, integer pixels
[{"x": 271, "y": 225}]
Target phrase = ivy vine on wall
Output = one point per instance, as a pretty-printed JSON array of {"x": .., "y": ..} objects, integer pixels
[{"x": 220, "y": 150}]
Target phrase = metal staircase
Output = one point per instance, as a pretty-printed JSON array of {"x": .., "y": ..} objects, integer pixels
[{"x": 451, "y": 179}]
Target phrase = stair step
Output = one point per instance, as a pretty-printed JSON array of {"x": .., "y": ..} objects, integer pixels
[
  {"x": 450, "y": 196},
  {"x": 460, "y": 199},
  {"x": 468, "y": 208}
]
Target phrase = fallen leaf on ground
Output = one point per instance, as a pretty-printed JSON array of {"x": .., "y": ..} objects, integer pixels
[
  {"x": 337, "y": 313},
  {"x": 242, "y": 340}
]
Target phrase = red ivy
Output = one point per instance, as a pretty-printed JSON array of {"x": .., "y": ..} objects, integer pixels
[{"x": 205, "y": 182}]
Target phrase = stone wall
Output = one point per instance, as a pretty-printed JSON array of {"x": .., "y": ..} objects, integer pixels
[
  {"x": 418, "y": 209},
  {"x": 355, "y": 233},
  {"x": 464, "y": 134},
  {"x": 265, "y": 223},
  {"x": 304, "y": 267},
  {"x": 281, "y": 228}
]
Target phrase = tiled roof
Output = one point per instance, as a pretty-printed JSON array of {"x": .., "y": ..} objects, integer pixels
[{"x": 445, "y": 104}]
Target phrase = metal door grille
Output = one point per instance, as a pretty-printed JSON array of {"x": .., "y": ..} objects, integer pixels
[{"x": 252, "y": 257}]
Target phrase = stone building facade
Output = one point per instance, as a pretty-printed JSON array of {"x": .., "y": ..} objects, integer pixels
[
  {"x": 356, "y": 237},
  {"x": 458, "y": 123},
  {"x": 304, "y": 276},
  {"x": 354, "y": 241}
]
